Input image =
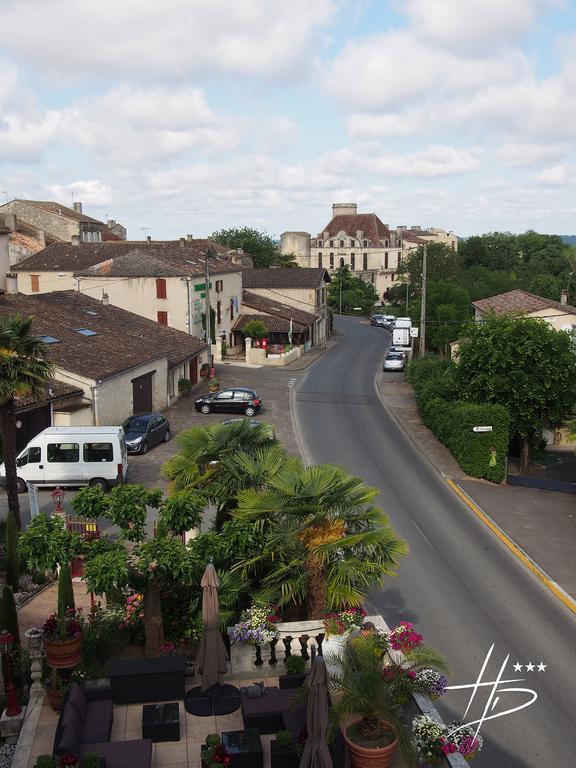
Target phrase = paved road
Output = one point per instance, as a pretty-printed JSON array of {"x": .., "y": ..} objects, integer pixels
[{"x": 459, "y": 585}]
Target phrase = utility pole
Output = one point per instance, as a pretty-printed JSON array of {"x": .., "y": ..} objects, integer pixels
[
  {"x": 407, "y": 286},
  {"x": 340, "y": 310},
  {"x": 423, "y": 304}
]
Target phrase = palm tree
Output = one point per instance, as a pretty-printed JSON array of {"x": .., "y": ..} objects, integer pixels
[
  {"x": 24, "y": 370},
  {"x": 329, "y": 543},
  {"x": 220, "y": 459}
]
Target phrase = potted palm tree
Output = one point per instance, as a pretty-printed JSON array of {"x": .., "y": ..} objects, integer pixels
[{"x": 369, "y": 697}]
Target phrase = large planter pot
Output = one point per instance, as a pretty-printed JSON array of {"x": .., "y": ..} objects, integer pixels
[
  {"x": 63, "y": 654},
  {"x": 55, "y": 698},
  {"x": 369, "y": 757},
  {"x": 283, "y": 758}
]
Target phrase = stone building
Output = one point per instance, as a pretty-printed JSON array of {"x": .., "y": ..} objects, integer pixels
[{"x": 361, "y": 241}]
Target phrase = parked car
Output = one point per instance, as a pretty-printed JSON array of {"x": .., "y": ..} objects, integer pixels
[
  {"x": 397, "y": 350},
  {"x": 394, "y": 361},
  {"x": 234, "y": 400},
  {"x": 143, "y": 430},
  {"x": 378, "y": 320}
]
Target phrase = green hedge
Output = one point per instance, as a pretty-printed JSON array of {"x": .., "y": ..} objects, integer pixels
[{"x": 480, "y": 454}]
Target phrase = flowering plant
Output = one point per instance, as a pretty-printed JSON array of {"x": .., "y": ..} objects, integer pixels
[
  {"x": 214, "y": 754},
  {"x": 344, "y": 621},
  {"x": 70, "y": 625},
  {"x": 430, "y": 683},
  {"x": 256, "y": 626},
  {"x": 405, "y": 638},
  {"x": 434, "y": 740},
  {"x": 167, "y": 649}
]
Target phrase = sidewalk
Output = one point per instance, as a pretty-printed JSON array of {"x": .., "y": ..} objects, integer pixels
[{"x": 541, "y": 523}]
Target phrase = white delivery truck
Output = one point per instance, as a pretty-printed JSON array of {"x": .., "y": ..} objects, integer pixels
[{"x": 72, "y": 456}]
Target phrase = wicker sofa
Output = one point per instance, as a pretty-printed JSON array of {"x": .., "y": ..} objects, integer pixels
[{"x": 85, "y": 726}]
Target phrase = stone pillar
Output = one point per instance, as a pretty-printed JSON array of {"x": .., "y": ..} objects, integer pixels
[{"x": 34, "y": 637}]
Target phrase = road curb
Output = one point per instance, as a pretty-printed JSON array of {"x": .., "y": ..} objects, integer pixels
[{"x": 514, "y": 548}]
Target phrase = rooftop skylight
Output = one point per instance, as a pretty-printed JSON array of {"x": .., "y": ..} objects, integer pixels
[
  {"x": 85, "y": 331},
  {"x": 49, "y": 339}
]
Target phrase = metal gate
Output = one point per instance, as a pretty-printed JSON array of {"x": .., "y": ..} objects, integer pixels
[{"x": 87, "y": 530}]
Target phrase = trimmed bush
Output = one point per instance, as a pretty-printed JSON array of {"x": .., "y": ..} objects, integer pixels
[
  {"x": 9, "y": 614},
  {"x": 480, "y": 454},
  {"x": 65, "y": 590}
]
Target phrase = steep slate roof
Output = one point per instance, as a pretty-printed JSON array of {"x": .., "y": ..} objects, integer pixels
[
  {"x": 279, "y": 277},
  {"x": 53, "y": 390},
  {"x": 58, "y": 208},
  {"x": 273, "y": 323},
  {"x": 412, "y": 237},
  {"x": 123, "y": 340},
  {"x": 520, "y": 302},
  {"x": 368, "y": 223},
  {"x": 130, "y": 259},
  {"x": 272, "y": 307}
]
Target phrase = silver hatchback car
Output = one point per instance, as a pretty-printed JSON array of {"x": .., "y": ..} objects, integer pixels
[{"x": 394, "y": 361}]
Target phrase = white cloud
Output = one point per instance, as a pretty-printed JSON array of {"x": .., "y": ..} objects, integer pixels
[
  {"x": 473, "y": 23},
  {"x": 24, "y": 140},
  {"x": 92, "y": 192},
  {"x": 555, "y": 176},
  {"x": 519, "y": 154},
  {"x": 148, "y": 124},
  {"x": 143, "y": 39}
]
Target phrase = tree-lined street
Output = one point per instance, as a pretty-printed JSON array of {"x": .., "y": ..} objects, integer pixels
[{"x": 458, "y": 584}]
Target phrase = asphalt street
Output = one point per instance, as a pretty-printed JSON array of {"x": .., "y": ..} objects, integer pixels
[{"x": 459, "y": 585}]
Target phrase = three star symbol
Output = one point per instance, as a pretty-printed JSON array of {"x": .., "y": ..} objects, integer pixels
[{"x": 530, "y": 667}]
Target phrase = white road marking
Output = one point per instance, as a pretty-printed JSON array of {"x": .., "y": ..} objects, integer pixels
[{"x": 420, "y": 531}]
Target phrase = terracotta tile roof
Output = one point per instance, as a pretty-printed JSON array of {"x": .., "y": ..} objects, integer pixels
[
  {"x": 293, "y": 277},
  {"x": 122, "y": 339},
  {"x": 412, "y": 237},
  {"x": 273, "y": 323},
  {"x": 273, "y": 307},
  {"x": 124, "y": 258},
  {"x": 520, "y": 302},
  {"x": 58, "y": 208},
  {"x": 26, "y": 241},
  {"x": 53, "y": 390},
  {"x": 368, "y": 224}
]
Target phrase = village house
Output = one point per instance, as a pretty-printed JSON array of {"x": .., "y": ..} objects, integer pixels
[
  {"x": 559, "y": 314},
  {"x": 163, "y": 281},
  {"x": 303, "y": 289},
  {"x": 111, "y": 362}
]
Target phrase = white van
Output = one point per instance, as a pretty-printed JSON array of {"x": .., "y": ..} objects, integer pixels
[{"x": 72, "y": 456}]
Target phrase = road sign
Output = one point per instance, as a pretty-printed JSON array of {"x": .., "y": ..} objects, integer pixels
[
  {"x": 414, "y": 332},
  {"x": 482, "y": 429}
]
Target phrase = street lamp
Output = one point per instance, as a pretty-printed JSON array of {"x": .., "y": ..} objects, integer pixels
[
  {"x": 13, "y": 709},
  {"x": 57, "y": 497}
]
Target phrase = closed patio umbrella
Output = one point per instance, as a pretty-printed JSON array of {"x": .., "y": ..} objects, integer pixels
[
  {"x": 316, "y": 753},
  {"x": 212, "y": 657}
]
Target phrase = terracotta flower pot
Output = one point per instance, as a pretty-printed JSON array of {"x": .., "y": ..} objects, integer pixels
[
  {"x": 55, "y": 698},
  {"x": 63, "y": 654},
  {"x": 370, "y": 757}
]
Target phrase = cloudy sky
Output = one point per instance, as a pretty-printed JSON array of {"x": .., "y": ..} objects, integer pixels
[{"x": 186, "y": 116}]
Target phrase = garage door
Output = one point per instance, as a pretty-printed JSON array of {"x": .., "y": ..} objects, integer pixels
[{"x": 142, "y": 393}]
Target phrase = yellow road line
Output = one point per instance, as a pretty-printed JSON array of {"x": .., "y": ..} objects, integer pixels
[{"x": 557, "y": 591}]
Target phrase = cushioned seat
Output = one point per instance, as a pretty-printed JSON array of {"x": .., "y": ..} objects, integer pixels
[
  {"x": 99, "y": 710},
  {"x": 122, "y": 754},
  {"x": 266, "y": 711}
]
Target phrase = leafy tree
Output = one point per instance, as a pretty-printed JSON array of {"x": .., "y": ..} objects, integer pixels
[
  {"x": 447, "y": 311},
  {"x": 24, "y": 370},
  {"x": 263, "y": 249},
  {"x": 442, "y": 264},
  {"x": 329, "y": 544},
  {"x": 349, "y": 291},
  {"x": 12, "y": 560},
  {"x": 255, "y": 329},
  {"x": 523, "y": 364},
  {"x": 46, "y": 544}
]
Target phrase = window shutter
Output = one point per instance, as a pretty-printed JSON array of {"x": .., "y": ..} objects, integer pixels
[{"x": 160, "y": 288}]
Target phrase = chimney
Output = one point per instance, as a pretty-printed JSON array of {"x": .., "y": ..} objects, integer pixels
[
  {"x": 182, "y": 242},
  {"x": 111, "y": 223},
  {"x": 75, "y": 239},
  {"x": 11, "y": 283},
  {"x": 564, "y": 296},
  {"x": 78, "y": 207},
  {"x": 105, "y": 300},
  {"x": 189, "y": 238},
  {"x": 148, "y": 238},
  {"x": 344, "y": 209},
  {"x": 42, "y": 238}
]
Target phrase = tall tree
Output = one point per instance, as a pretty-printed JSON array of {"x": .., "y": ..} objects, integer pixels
[
  {"x": 24, "y": 370},
  {"x": 349, "y": 291},
  {"x": 523, "y": 364},
  {"x": 329, "y": 544},
  {"x": 263, "y": 249}
]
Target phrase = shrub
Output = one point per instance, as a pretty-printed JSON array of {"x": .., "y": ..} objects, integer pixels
[
  {"x": 102, "y": 635},
  {"x": 255, "y": 329},
  {"x": 480, "y": 454},
  {"x": 295, "y": 665},
  {"x": 65, "y": 590},
  {"x": 284, "y": 738},
  {"x": 9, "y": 614},
  {"x": 184, "y": 385}
]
